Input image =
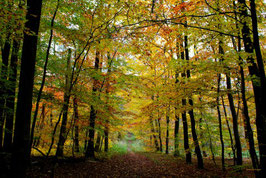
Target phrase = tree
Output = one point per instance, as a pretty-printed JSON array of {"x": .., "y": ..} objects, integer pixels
[{"x": 20, "y": 155}]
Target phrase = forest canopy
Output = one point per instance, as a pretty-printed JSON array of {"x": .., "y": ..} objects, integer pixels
[{"x": 86, "y": 77}]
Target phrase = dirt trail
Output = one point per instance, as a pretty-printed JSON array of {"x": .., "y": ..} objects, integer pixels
[{"x": 135, "y": 165}]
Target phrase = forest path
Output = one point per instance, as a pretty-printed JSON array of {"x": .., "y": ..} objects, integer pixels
[{"x": 133, "y": 165}]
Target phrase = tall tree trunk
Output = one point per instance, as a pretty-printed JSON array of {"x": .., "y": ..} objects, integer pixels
[
  {"x": 184, "y": 120},
  {"x": 248, "y": 129},
  {"x": 185, "y": 132},
  {"x": 3, "y": 84},
  {"x": 220, "y": 120},
  {"x": 3, "y": 78},
  {"x": 176, "y": 152},
  {"x": 158, "y": 123},
  {"x": 63, "y": 131},
  {"x": 90, "y": 149},
  {"x": 261, "y": 120},
  {"x": 256, "y": 70},
  {"x": 194, "y": 135},
  {"x": 10, "y": 102},
  {"x": 160, "y": 134},
  {"x": 76, "y": 126},
  {"x": 106, "y": 129},
  {"x": 167, "y": 129},
  {"x": 191, "y": 114},
  {"x": 44, "y": 75},
  {"x": 177, "y": 118},
  {"x": 229, "y": 130},
  {"x": 247, "y": 125},
  {"x": 235, "y": 123},
  {"x": 20, "y": 155}
]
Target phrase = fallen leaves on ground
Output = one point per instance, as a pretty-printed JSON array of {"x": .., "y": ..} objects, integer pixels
[{"x": 132, "y": 165}]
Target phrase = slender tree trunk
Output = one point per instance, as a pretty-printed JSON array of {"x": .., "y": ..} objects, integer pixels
[
  {"x": 177, "y": 118},
  {"x": 90, "y": 150},
  {"x": 158, "y": 123},
  {"x": 106, "y": 129},
  {"x": 247, "y": 125},
  {"x": 230, "y": 133},
  {"x": 220, "y": 120},
  {"x": 40, "y": 124},
  {"x": 106, "y": 139},
  {"x": 76, "y": 126},
  {"x": 53, "y": 134},
  {"x": 248, "y": 129},
  {"x": 191, "y": 114},
  {"x": 235, "y": 123},
  {"x": 258, "y": 71},
  {"x": 200, "y": 128},
  {"x": 160, "y": 135},
  {"x": 210, "y": 138},
  {"x": 20, "y": 155},
  {"x": 44, "y": 76},
  {"x": 185, "y": 132},
  {"x": 63, "y": 131},
  {"x": 184, "y": 119},
  {"x": 195, "y": 138},
  {"x": 176, "y": 152},
  {"x": 10, "y": 102},
  {"x": 167, "y": 129},
  {"x": 3, "y": 85},
  {"x": 153, "y": 135}
]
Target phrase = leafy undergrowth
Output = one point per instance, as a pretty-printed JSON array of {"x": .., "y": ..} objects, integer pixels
[{"x": 130, "y": 165}]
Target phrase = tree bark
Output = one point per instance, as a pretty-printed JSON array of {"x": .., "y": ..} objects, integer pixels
[
  {"x": 76, "y": 126},
  {"x": 160, "y": 135},
  {"x": 167, "y": 129},
  {"x": 176, "y": 152},
  {"x": 220, "y": 120},
  {"x": 3, "y": 85},
  {"x": 230, "y": 133},
  {"x": 44, "y": 75},
  {"x": 191, "y": 114},
  {"x": 63, "y": 131},
  {"x": 235, "y": 123},
  {"x": 256, "y": 70},
  {"x": 20, "y": 155},
  {"x": 10, "y": 102},
  {"x": 90, "y": 149}
]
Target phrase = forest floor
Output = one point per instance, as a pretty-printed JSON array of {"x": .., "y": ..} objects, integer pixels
[{"x": 132, "y": 165}]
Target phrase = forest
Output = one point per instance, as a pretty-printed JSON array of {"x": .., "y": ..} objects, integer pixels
[{"x": 132, "y": 88}]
